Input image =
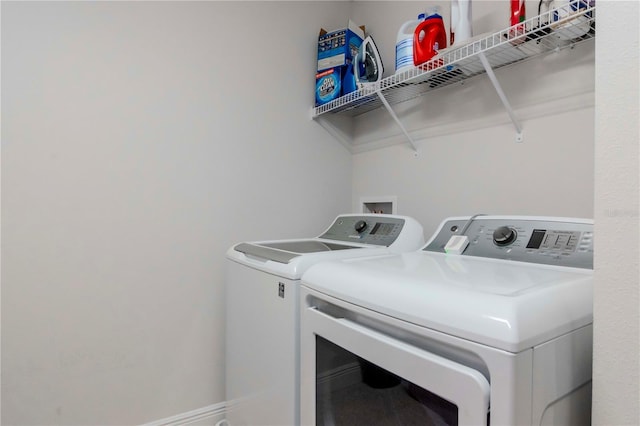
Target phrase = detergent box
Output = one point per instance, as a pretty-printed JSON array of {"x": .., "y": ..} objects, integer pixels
[
  {"x": 339, "y": 48},
  {"x": 328, "y": 85}
]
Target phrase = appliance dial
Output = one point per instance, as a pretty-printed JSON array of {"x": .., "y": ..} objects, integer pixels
[
  {"x": 503, "y": 236},
  {"x": 360, "y": 226}
]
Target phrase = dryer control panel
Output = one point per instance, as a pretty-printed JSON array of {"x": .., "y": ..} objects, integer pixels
[{"x": 552, "y": 241}]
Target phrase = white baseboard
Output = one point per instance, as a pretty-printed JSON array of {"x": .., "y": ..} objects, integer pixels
[{"x": 205, "y": 416}]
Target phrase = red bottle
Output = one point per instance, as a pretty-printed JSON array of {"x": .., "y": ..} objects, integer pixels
[
  {"x": 429, "y": 36},
  {"x": 517, "y": 16},
  {"x": 517, "y": 12}
]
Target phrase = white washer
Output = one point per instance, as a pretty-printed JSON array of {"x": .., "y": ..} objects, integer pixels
[
  {"x": 499, "y": 334},
  {"x": 262, "y": 294}
]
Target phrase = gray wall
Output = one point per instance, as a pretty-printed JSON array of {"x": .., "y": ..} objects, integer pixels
[
  {"x": 120, "y": 198},
  {"x": 616, "y": 353},
  {"x": 139, "y": 141}
]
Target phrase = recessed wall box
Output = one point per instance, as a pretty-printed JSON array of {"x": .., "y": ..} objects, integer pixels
[{"x": 382, "y": 205}]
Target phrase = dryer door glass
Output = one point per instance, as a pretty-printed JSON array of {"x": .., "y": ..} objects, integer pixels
[{"x": 353, "y": 391}]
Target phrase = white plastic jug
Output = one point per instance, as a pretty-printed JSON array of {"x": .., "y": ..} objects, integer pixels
[{"x": 404, "y": 44}]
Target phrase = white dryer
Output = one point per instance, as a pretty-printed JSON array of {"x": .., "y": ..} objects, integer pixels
[
  {"x": 499, "y": 333},
  {"x": 262, "y": 303}
]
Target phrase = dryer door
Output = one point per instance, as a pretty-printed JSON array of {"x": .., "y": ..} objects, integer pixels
[{"x": 354, "y": 375}]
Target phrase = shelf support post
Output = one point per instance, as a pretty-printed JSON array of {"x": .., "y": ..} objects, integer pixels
[
  {"x": 503, "y": 97},
  {"x": 397, "y": 120}
]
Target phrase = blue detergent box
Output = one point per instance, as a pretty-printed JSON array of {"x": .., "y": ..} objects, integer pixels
[
  {"x": 339, "y": 47},
  {"x": 328, "y": 85},
  {"x": 336, "y": 54},
  {"x": 333, "y": 83}
]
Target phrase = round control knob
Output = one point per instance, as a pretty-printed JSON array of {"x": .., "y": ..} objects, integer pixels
[
  {"x": 360, "y": 226},
  {"x": 503, "y": 236}
]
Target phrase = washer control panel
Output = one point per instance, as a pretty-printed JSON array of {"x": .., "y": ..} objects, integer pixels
[
  {"x": 552, "y": 241},
  {"x": 366, "y": 229}
]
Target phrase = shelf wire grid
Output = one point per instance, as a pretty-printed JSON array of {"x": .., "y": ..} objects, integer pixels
[{"x": 552, "y": 30}]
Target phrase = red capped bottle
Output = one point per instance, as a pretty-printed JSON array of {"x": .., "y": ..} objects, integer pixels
[{"x": 429, "y": 36}]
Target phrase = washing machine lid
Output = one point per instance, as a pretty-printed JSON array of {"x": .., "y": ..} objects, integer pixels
[
  {"x": 286, "y": 251},
  {"x": 279, "y": 258},
  {"x": 504, "y": 304}
]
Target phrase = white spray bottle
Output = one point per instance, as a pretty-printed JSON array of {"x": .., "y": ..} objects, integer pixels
[{"x": 460, "y": 28}]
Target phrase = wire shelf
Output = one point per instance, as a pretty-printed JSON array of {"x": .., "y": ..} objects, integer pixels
[{"x": 550, "y": 31}]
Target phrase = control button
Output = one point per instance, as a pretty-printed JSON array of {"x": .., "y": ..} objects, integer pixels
[
  {"x": 360, "y": 226},
  {"x": 503, "y": 236}
]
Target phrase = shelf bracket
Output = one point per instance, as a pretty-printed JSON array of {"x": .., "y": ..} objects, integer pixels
[
  {"x": 397, "y": 120},
  {"x": 503, "y": 97}
]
